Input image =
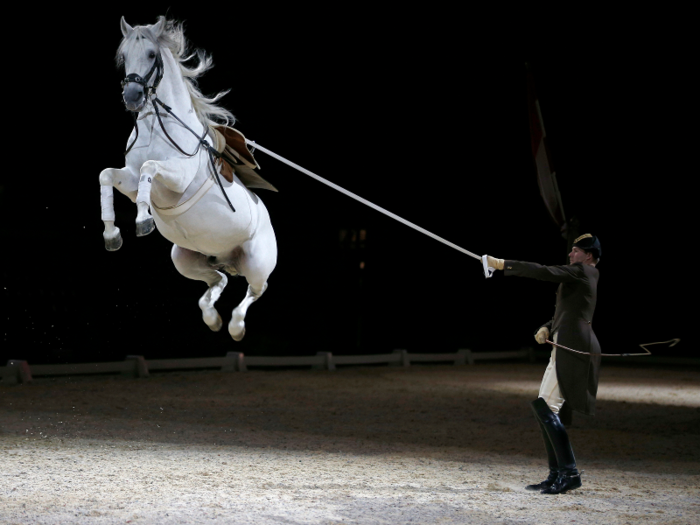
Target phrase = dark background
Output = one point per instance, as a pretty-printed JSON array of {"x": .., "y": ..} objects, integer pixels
[{"x": 422, "y": 112}]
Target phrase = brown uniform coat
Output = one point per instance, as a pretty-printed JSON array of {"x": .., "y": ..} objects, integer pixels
[{"x": 576, "y": 299}]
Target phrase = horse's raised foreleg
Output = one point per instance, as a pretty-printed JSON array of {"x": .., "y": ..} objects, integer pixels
[
  {"x": 144, "y": 220},
  {"x": 194, "y": 265},
  {"x": 175, "y": 174},
  {"x": 125, "y": 181}
]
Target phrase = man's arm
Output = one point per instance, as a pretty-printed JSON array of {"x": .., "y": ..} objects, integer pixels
[
  {"x": 557, "y": 274},
  {"x": 548, "y": 325}
]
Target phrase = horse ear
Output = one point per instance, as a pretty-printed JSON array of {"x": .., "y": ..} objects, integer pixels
[
  {"x": 159, "y": 26},
  {"x": 126, "y": 28}
]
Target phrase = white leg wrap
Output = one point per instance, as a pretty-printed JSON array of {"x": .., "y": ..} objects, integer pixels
[
  {"x": 107, "y": 203},
  {"x": 144, "y": 192}
]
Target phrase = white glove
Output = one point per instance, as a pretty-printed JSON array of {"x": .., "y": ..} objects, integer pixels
[
  {"x": 542, "y": 335},
  {"x": 494, "y": 263}
]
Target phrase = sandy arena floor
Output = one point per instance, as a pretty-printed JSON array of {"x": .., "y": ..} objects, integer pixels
[{"x": 375, "y": 445}]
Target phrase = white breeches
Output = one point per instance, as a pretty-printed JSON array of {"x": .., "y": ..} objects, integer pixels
[{"x": 549, "y": 389}]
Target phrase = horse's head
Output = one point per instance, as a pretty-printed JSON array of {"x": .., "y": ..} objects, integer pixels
[{"x": 143, "y": 63}]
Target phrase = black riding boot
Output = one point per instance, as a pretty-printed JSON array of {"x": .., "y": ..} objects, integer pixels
[
  {"x": 552, "y": 460},
  {"x": 568, "y": 477}
]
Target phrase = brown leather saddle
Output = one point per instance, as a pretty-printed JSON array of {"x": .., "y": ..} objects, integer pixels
[{"x": 237, "y": 158}]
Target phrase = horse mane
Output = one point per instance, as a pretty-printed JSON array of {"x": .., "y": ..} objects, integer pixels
[{"x": 173, "y": 38}]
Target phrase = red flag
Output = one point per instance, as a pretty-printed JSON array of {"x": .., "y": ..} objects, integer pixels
[{"x": 546, "y": 176}]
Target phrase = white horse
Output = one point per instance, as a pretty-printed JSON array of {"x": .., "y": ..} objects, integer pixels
[{"x": 214, "y": 225}]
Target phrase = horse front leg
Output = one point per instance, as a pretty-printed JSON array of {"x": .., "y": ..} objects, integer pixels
[
  {"x": 125, "y": 181},
  {"x": 144, "y": 220},
  {"x": 175, "y": 174}
]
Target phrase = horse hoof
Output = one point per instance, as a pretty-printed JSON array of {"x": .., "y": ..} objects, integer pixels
[
  {"x": 212, "y": 320},
  {"x": 237, "y": 330},
  {"x": 238, "y": 337},
  {"x": 114, "y": 242},
  {"x": 145, "y": 227}
]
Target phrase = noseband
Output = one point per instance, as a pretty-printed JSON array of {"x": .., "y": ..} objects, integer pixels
[{"x": 133, "y": 77}]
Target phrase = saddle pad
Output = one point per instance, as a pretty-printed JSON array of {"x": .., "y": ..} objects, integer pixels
[{"x": 231, "y": 142}]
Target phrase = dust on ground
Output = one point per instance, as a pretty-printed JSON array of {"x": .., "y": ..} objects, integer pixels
[{"x": 372, "y": 445}]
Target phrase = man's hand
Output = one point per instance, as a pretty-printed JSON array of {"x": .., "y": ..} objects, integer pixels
[
  {"x": 494, "y": 263},
  {"x": 542, "y": 335}
]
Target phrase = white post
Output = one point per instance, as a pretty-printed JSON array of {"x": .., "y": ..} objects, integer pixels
[{"x": 16, "y": 372}]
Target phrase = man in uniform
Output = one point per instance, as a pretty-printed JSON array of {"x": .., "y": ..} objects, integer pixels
[{"x": 570, "y": 376}]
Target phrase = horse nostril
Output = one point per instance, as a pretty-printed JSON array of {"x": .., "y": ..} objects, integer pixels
[{"x": 132, "y": 93}]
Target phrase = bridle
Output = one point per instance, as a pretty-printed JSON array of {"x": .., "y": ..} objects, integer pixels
[
  {"x": 147, "y": 90},
  {"x": 150, "y": 91},
  {"x": 133, "y": 77}
]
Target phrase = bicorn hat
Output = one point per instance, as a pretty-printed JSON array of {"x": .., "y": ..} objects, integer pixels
[{"x": 589, "y": 243}]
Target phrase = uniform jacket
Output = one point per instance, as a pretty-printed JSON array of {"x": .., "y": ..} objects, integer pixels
[{"x": 573, "y": 317}]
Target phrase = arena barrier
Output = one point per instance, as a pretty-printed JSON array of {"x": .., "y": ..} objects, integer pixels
[{"x": 18, "y": 372}]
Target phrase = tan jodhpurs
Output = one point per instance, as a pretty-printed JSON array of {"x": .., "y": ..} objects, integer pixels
[{"x": 549, "y": 389}]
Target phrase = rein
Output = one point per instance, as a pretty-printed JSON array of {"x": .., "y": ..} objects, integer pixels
[
  {"x": 202, "y": 142},
  {"x": 151, "y": 90}
]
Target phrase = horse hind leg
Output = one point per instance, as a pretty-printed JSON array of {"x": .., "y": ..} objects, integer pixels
[
  {"x": 236, "y": 327},
  {"x": 194, "y": 265},
  {"x": 256, "y": 261},
  {"x": 210, "y": 315}
]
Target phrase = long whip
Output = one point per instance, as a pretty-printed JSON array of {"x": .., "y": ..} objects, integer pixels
[{"x": 673, "y": 342}]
